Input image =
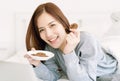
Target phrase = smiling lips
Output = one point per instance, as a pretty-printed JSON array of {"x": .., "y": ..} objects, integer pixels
[{"x": 53, "y": 40}]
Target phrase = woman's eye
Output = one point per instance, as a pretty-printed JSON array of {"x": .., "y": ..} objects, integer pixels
[
  {"x": 52, "y": 25},
  {"x": 41, "y": 30}
]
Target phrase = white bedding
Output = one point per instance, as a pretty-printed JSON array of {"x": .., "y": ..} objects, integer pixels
[
  {"x": 19, "y": 58},
  {"x": 112, "y": 43}
]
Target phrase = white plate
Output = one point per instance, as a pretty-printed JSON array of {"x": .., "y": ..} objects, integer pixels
[{"x": 48, "y": 53}]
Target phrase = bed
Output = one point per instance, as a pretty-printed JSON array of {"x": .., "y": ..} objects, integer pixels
[{"x": 109, "y": 40}]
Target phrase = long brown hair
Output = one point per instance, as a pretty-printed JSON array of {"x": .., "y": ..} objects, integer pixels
[{"x": 32, "y": 37}]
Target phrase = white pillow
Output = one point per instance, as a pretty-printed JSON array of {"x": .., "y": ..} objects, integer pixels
[
  {"x": 18, "y": 58},
  {"x": 113, "y": 43},
  {"x": 115, "y": 16}
]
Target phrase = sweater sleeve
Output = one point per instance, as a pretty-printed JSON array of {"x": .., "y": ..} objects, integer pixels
[
  {"x": 82, "y": 68},
  {"x": 47, "y": 71}
]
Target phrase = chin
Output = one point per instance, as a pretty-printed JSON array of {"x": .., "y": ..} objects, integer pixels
[{"x": 56, "y": 47}]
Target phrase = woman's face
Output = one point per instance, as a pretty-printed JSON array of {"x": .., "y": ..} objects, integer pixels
[{"x": 51, "y": 31}]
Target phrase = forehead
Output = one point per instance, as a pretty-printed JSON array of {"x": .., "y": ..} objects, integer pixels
[{"x": 44, "y": 19}]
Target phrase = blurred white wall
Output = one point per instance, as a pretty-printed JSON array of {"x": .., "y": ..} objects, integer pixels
[{"x": 15, "y": 15}]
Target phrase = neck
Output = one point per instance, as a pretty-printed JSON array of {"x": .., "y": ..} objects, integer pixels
[{"x": 63, "y": 45}]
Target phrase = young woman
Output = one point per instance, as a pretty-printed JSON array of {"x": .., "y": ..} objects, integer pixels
[{"x": 78, "y": 55}]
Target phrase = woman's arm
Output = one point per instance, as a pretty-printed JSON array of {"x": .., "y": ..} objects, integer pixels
[
  {"x": 82, "y": 68},
  {"x": 47, "y": 71}
]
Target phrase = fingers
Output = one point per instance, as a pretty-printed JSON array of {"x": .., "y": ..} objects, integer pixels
[
  {"x": 28, "y": 57},
  {"x": 75, "y": 32},
  {"x": 31, "y": 60},
  {"x": 33, "y": 49}
]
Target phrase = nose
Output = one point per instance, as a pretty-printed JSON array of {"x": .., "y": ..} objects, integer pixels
[{"x": 49, "y": 32}]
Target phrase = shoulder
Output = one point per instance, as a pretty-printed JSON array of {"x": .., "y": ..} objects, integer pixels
[
  {"x": 88, "y": 44},
  {"x": 87, "y": 37},
  {"x": 87, "y": 40}
]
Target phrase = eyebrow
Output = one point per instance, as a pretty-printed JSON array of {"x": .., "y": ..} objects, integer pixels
[
  {"x": 48, "y": 24},
  {"x": 51, "y": 22}
]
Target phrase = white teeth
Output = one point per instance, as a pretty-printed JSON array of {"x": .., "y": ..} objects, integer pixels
[{"x": 53, "y": 39}]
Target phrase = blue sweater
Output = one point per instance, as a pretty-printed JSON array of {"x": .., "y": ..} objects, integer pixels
[{"x": 85, "y": 63}]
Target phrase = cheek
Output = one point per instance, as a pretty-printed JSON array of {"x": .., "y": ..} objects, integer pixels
[
  {"x": 42, "y": 36},
  {"x": 60, "y": 29}
]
